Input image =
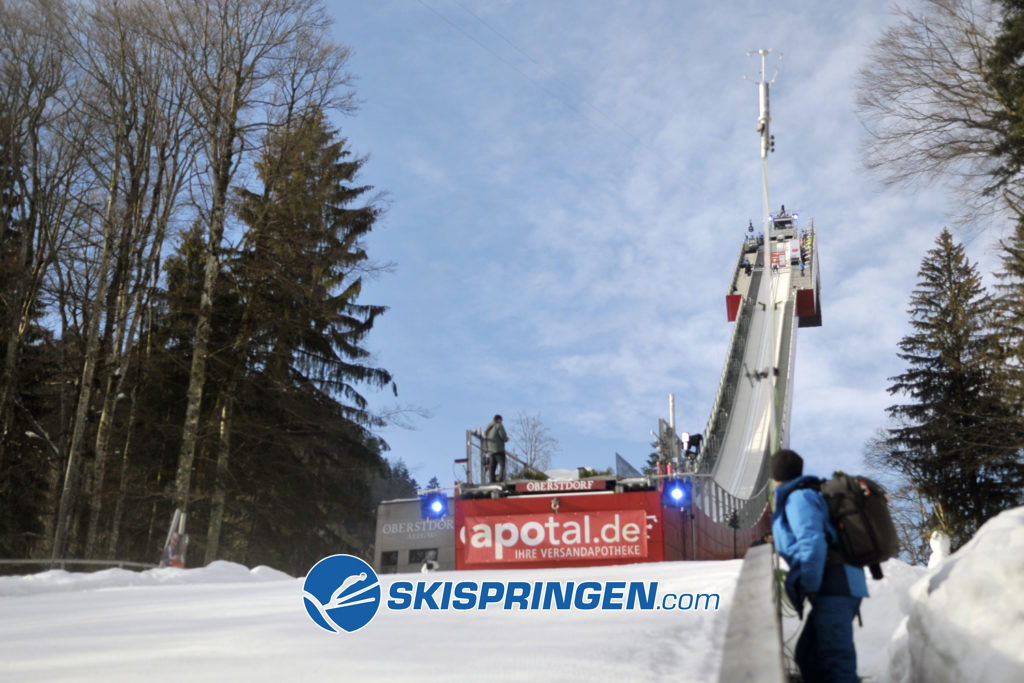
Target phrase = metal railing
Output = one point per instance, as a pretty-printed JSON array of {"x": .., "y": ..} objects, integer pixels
[
  {"x": 720, "y": 505},
  {"x": 475, "y": 452},
  {"x": 718, "y": 422}
]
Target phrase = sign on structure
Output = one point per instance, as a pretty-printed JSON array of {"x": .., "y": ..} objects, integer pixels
[{"x": 575, "y": 529}]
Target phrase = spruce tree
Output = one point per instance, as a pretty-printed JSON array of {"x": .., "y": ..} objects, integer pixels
[
  {"x": 395, "y": 482},
  {"x": 302, "y": 265},
  {"x": 1009, "y": 318},
  {"x": 948, "y": 437},
  {"x": 1004, "y": 75},
  {"x": 287, "y": 356},
  {"x": 302, "y": 429},
  {"x": 1008, "y": 323}
]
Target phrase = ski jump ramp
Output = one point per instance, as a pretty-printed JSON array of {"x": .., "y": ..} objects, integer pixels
[{"x": 775, "y": 289}]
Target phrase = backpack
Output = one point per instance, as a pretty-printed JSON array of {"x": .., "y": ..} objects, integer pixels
[{"x": 859, "y": 510}]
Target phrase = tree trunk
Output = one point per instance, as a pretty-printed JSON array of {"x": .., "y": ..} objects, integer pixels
[
  {"x": 217, "y": 506},
  {"x": 69, "y": 492},
  {"x": 102, "y": 447},
  {"x": 122, "y": 484},
  {"x": 197, "y": 373}
]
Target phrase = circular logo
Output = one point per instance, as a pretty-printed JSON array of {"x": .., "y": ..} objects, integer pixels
[{"x": 341, "y": 592}]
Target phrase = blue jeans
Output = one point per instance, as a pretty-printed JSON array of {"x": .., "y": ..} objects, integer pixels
[{"x": 825, "y": 649}]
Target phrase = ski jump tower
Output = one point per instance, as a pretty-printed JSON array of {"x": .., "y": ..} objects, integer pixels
[{"x": 775, "y": 288}]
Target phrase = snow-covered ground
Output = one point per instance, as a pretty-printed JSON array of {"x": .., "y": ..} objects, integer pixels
[
  {"x": 962, "y": 620},
  {"x": 965, "y": 618}
]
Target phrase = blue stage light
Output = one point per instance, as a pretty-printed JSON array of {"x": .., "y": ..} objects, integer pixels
[
  {"x": 433, "y": 505},
  {"x": 677, "y": 493}
]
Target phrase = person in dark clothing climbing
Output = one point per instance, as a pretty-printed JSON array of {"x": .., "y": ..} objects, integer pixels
[{"x": 802, "y": 533}]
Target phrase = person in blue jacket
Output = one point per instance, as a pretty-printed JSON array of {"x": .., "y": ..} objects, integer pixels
[{"x": 803, "y": 533}]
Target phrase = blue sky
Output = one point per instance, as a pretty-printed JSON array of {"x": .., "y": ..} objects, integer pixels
[{"x": 567, "y": 187}]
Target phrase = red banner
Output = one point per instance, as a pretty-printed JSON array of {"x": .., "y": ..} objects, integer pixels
[
  {"x": 598, "y": 535},
  {"x": 732, "y": 306},
  {"x": 805, "y": 303}
]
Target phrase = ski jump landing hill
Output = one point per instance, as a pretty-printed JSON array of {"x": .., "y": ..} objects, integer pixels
[{"x": 775, "y": 289}]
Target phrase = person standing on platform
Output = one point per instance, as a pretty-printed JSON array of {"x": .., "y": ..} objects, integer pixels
[{"x": 495, "y": 438}]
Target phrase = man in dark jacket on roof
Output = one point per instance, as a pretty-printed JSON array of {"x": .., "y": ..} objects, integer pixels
[
  {"x": 494, "y": 446},
  {"x": 803, "y": 533}
]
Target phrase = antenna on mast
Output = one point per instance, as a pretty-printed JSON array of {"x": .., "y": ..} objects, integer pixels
[
  {"x": 764, "y": 120},
  {"x": 764, "y": 117}
]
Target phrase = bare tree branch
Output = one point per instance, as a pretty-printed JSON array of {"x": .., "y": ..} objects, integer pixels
[
  {"x": 532, "y": 441},
  {"x": 928, "y": 106}
]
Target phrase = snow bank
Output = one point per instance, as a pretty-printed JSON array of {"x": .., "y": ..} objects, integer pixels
[
  {"x": 60, "y": 581},
  {"x": 882, "y": 614},
  {"x": 965, "y": 617}
]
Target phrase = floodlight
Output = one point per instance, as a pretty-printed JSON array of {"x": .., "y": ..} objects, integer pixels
[
  {"x": 677, "y": 493},
  {"x": 433, "y": 504}
]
